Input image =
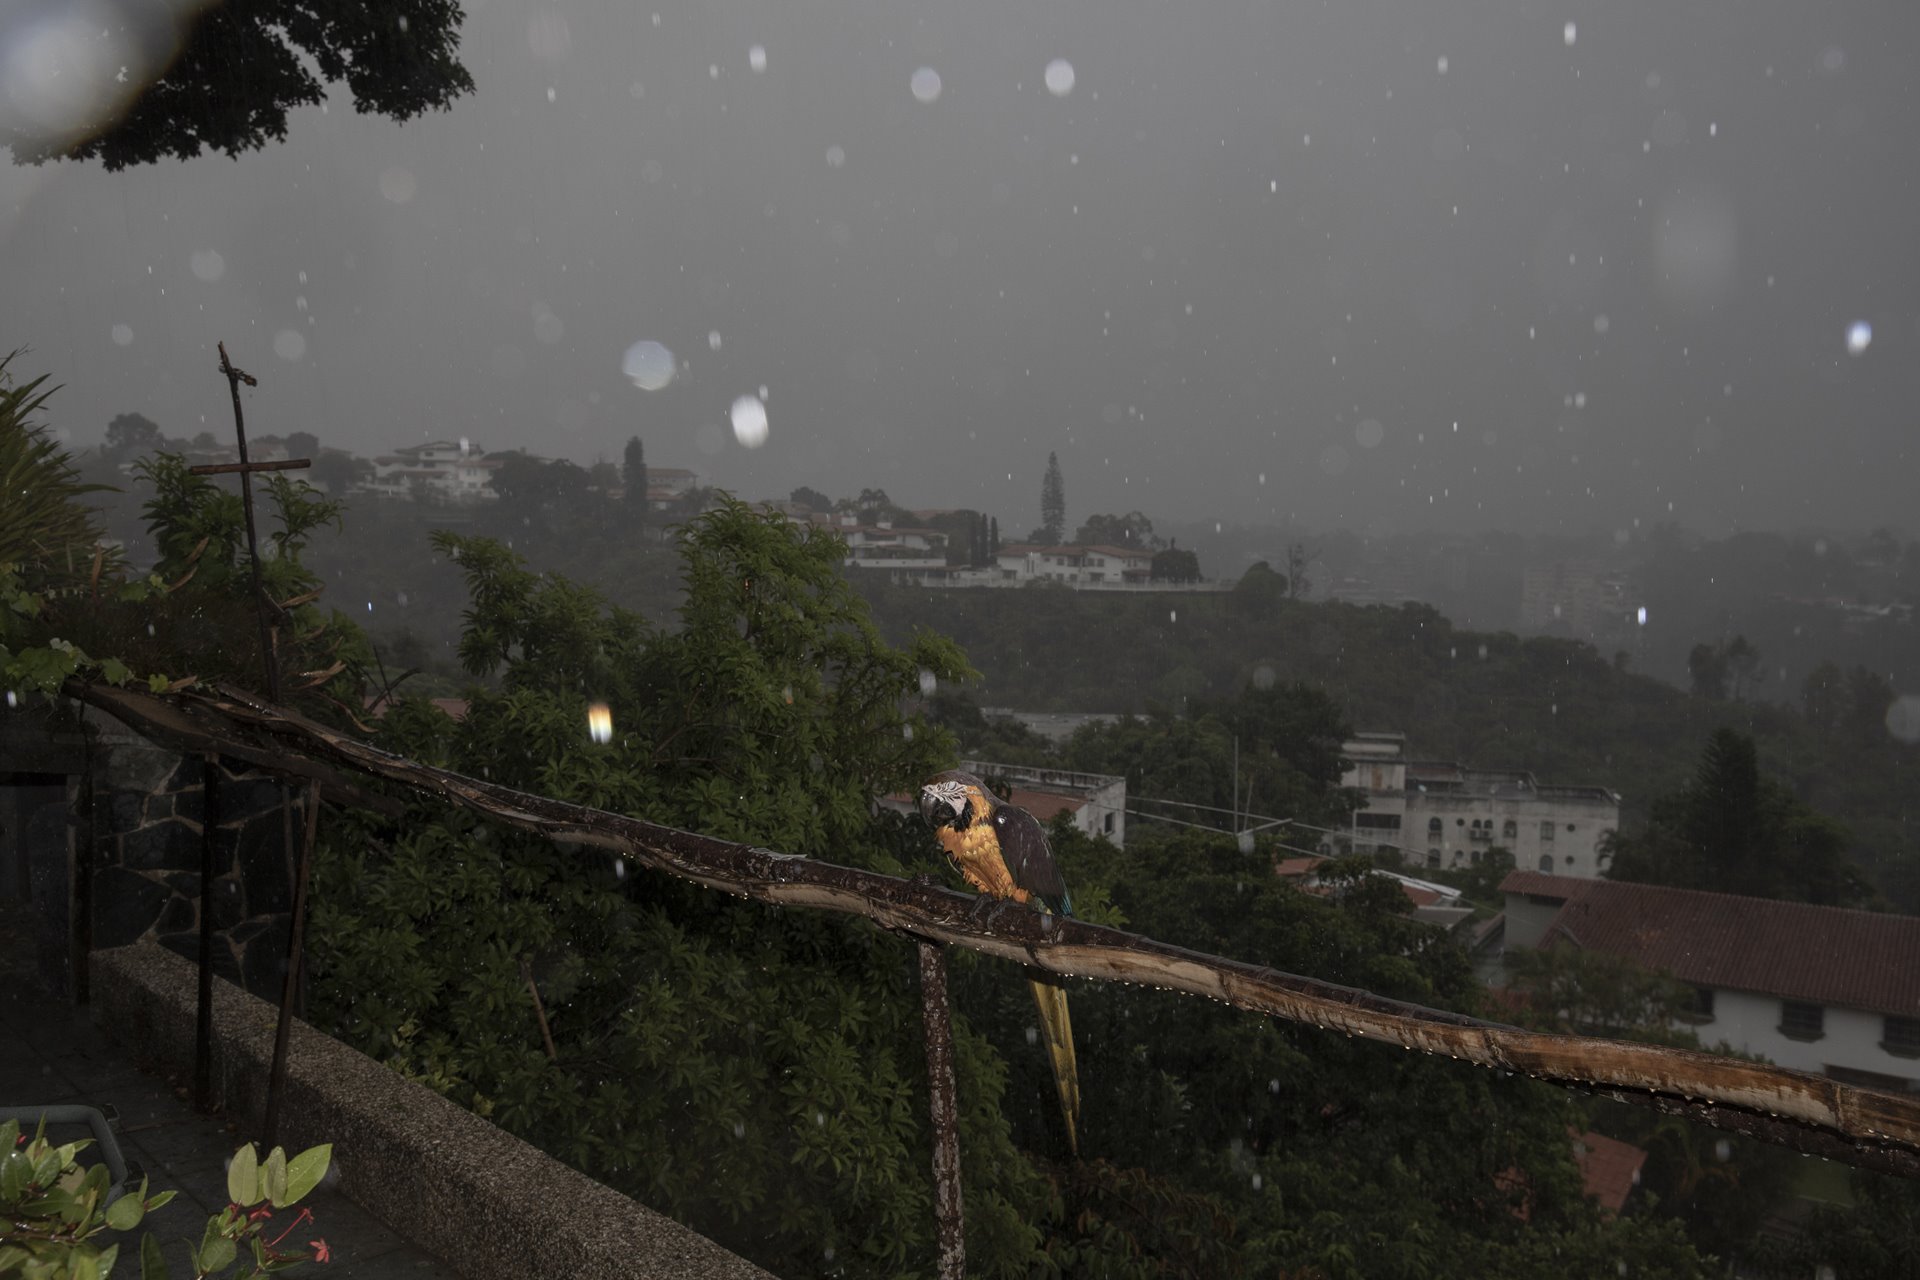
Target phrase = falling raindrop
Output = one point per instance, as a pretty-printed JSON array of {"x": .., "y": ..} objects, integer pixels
[
  {"x": 600, "y": 722},
  {"x": 1859, "y": 337},
  {"x": 836, "y": 156},
  {"x": 1641, "y": 616},
  {"x": 122, "y": 335},
  {"x": 290, "y": 344},
  {"x": 928, "y": 683},
  {"x": 1441, "y": 65},
  {"x": 757, "y": 57},
  {"x": 1059, "y": 77},
  {"x": 925, "y": 84},
  {"x": 1570, "y": 33},
  {"x": 713, "y": 339},
  {"x": 207, "y": 264}
]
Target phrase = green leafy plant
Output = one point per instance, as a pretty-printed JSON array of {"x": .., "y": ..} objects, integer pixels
[
  {"x": 255, "y": 1188},
  {"x": 66, "y": 597},
  {"x": 54, "y": 1212}
]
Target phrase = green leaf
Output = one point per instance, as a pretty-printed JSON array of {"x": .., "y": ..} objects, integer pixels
[
  {"x": 83, "y": 1265},
  {"x": 115, "y": 671},
  {"x": 273, "y": 1178},
  {"x": 219, "y": 1254},
  {"x": 305, "y": 1171},
  {"x": 125, "y": 1213},
  {"x": 152, "y": 1265},
  {"x": 16, "y": 1171},
  {"x": 159, "y": 1200},
  {"x": 157, "y": 684},
  {"x": 215, "y": 1250},
  {"x": 108, "y": 1256},
  {"x": 243, "y": 1176}
]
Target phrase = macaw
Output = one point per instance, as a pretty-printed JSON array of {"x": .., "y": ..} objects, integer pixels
[{"x": 1002, "y": 851}]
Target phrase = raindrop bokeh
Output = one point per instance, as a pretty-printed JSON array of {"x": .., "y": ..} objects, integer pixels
[
  {"x": 648, "y": 365},
  {"x": 749, "y": 418}
]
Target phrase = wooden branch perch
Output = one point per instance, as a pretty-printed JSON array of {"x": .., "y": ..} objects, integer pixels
[{"x": 1807, "y": 1113}]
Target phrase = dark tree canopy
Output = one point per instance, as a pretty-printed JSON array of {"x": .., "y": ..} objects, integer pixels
[
  {"x": 1130, "y": 530},
  {"x": 133, "y": 433},
  {"x": 243, "y": 65},
  {"x": 1734, "y": 826},
  {"x": 1176, "y": 564},
  {"x": 811, "y": 498}
]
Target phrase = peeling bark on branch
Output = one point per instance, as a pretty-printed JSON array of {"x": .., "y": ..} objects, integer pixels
[{"x": 1807, "y": 1113}]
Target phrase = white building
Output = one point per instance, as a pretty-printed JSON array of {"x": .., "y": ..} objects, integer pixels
[
  {"x": 453, "y": 471},
  {"x": 886, "y": 546},
  {"x": 1438, "y": 814},
  {"x": 1075, "y": 566},
  {"x": 1821, "y": 989}
]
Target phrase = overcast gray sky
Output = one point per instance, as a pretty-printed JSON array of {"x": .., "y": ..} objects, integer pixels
[{"x": 1257, "y": 261}]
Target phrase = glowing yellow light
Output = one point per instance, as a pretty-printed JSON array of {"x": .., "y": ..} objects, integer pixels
[{"x": 599, "y": 722}]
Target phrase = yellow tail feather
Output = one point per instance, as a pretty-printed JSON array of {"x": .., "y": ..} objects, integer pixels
[{"x": 1056, "y": 1028}]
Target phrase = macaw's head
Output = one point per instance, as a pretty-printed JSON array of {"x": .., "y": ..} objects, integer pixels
[{"x": 948, "y": 799}]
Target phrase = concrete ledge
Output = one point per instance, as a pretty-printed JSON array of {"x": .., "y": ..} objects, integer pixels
[{"x": 442, "y": 1177}]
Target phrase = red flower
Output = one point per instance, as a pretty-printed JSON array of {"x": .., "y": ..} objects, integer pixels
[{"x": 320, "y": 1251}]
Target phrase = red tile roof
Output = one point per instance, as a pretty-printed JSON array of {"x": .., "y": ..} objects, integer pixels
[
  {"x": 1045, "y": 804},
  {"x": 1541, "y": 885},
  {"x": 1609, "y": 1169},
  {"x": 1790, "y": 950}
]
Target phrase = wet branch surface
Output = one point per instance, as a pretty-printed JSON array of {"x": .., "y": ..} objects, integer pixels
[{"x": 1793, "y": 1109}]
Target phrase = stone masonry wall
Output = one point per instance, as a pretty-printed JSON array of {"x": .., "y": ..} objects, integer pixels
[{"x": 147, "y": 882}]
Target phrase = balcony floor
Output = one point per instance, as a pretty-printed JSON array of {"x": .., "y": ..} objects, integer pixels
[{"x": 56, "y": 1054}]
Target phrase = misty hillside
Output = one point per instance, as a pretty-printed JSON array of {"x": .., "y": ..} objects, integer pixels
[{"x": 1490, "y": 699}]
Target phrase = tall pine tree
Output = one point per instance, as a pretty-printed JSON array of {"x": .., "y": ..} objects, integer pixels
[
  {"x": 633, "y": 472},
  {"x": 1053, "y": 504}
]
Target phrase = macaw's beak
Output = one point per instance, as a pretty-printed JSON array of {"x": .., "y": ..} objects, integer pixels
[{"x": 941, "y": 804}]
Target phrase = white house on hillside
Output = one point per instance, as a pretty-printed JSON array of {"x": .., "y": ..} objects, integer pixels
[
  {"x": 1440, "y": 814},
  {"x": 453, "y": 471},
  {"x": 1820, "y": 989},
  {"x": 1075, "y": 566}
]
